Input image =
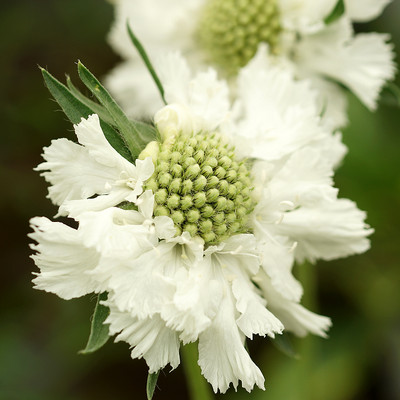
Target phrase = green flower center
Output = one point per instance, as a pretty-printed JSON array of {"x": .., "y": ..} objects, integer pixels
[
  {"x": 201, "y": 186},
  {"x": 231, "y": 30}
]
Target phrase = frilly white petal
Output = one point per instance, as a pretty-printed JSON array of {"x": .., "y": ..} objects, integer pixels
[
  {"x": 277, "y": 262},
  {"x": 363, "y": 63},
  {"x": 294, "y": 316},
  {"x": 222, "y": 357},
  {"x": 149, "y": 337},
  {"x": 332, "y": 230},
  {"x": 305, "y": 15},
  {"x": 365, "y": 10},
  {"x": 63, "y": 260}
]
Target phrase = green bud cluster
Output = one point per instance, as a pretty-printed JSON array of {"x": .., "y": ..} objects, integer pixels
[
  {"x": 231, "y": 30},
  {"x": 201, "y": 186}
]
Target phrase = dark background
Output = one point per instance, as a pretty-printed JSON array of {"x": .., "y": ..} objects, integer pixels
[{"x": 40, "y": 334}]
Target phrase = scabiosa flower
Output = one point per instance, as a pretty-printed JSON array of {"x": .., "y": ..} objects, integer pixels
[
  {"x": 227, "y": 34},
  {"x": 196, "y": 242}
]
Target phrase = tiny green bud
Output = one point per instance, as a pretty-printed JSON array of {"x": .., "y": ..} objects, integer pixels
[
  {"x": 161, "y": 196},
  {"x": 186, "y": 202},
  {"x": 207, "y": 211},
  {"x": 206, "y": 225},
  {"x": 187, "y": 186},
  {"x": 193, "y": 171},
  {"x": 212, "y": 195},
  {"x": 193, "y": 215},
  {"x": 173, "y": 201},
  {"x": 164, "y": 179},
  {"x": 200, "y": 183},
  {"x": 191, "y": 228},
  {"x": 178, "y": 217},
  {"x": 199, "y": 199},
  {"x": 175, "y": 185},
  {"x": 176, "y": 170},
  {"x": 161, "y": 211},
  {"x": 212, "y": 182}
]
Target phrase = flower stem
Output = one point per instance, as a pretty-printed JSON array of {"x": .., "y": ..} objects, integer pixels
[{"x": 198, "y": 387}]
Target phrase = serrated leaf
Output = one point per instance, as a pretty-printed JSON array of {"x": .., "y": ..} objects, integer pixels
[
  {"x": 284, "y": 344},
  {"x": 146, "y": 60},
  {"x": 390, "y": 95},
  {"x": 98, "y": 331},
  {"x": 151, "y": 384},
  {"x": 96, "y": 107},
  {"x": 336, "y": 13},
  {"x": 133, "y": 132},
  {"x": 75, "y": 110}
]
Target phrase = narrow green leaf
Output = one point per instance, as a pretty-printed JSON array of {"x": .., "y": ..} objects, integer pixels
[
  {"x": 390, "y": 95},
  {"x": 284, "y": 344},
  {"x": 147, "y": 61},
  {"x": 98, "y": 331},
  {"x": 135, "y": 139},
  {"x": 151, "y": 384},
  {"x": 96, "y": 107},
  {"x": 75, "y": 110},
  {"x": 336, "y": 13}
]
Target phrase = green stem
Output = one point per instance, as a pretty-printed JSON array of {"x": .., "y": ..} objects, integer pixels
[{"x": 198, "y": 387}]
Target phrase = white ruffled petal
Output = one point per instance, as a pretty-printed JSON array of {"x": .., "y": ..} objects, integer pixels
[
  {"x": 365, "y": 10},
  {"x": 332, "y": 230},
  {"x": 63, "y": 260},
  {"x": 277, "y": 262},
  {"x": 305, "y": 15},
  {"x": 363, "y": 63},
  {"x": 149, "y": 337},
  {"x": 222, "y": 356},
  {"x": 72, "y": 173},
  {"x": 294, "y": 316},
  {"x": 195, "y": 302}
]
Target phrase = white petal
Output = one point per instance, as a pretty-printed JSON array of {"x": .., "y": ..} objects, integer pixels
[
  {"x": 222, "y": 356},
  {"x": 305, "y": 15},
  {"x": 279, "y": 114},
  {"x": 365, "y": 10},
  {"x": 331, "y": 230},
  {"x": 362, "y": 63},
  {"x": 149, "y": 337},
  {"x": 72, "y": 173},
  {"x": 195, "y": 302},
  {"x": 294, "y": 317},
  {"x": 63, "y": 260},
  {"x": 254, "y": 318},
  {"x": 277, "y": 262}
]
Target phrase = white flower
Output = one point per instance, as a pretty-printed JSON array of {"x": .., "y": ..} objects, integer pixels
[
  {"x": 203, "y": 249},
  {"x": 227, "y": 33}
]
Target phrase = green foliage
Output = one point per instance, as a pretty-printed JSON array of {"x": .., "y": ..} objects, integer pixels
[
  {"x": 75, "y": 110},
  {"x": 151, "y": 384},
  {"x": 135, "y": 138},
  {"x": 336, "y": 13},
  {"x": 98, "y": 331},
  {"x": 146, "y": 60}
]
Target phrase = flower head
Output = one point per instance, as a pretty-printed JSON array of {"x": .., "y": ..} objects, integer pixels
[
  {"x": 227, "y": 34},
  {"x": 198, "y": 240}
]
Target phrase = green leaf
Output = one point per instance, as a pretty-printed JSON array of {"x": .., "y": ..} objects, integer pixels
[
  {"x": 98, "y": 331},
  {"x": 134, "y": 134},
  {"x": 75, "y": 110},
  {"x": 96, "y": 107},
  {"x": 147, "y": 61},
  {"x": 151, "y": 384},
  {"x": 390, "y": 95},
  {"x": 336, "y": 13},
  {"x": 284, "y": 344}
]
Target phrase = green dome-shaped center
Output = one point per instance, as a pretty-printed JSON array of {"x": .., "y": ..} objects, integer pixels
[
  {"x": 200, "y": 185},
  {"x": 231, "y": 30}
]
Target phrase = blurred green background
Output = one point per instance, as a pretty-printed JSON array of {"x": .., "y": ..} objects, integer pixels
[{"x": 40, "y": 334}]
